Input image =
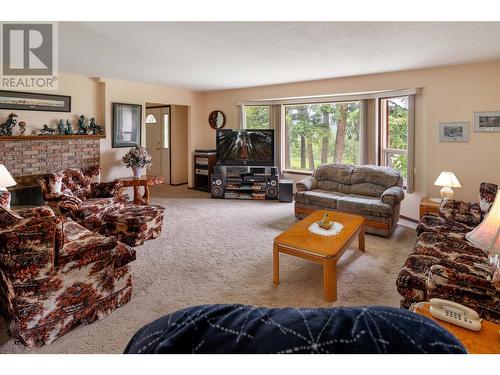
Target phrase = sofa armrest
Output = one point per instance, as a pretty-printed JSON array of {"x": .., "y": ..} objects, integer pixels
[
  {"x": 27, "y": 249},
  {"x": 393, "y": 195},
  {"x": 463, "y": 212},
  {"x": 308, "y": 183},
  {"x": 42, "y": 211},
  {"x": 106, "y": 189},
  {"x": 466, "y": 279}
]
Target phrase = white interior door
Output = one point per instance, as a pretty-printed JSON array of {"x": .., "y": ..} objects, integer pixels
[{"x": 154, "y": 132}]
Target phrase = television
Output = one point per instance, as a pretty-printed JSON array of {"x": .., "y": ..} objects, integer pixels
[{"x": 245, "y": 147}]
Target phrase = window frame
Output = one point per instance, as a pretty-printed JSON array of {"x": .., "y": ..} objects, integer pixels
[
  {"x": 244, "y": 114},
  {"x": 381, "y": 133},
  {"x": 283, "y": 131}
]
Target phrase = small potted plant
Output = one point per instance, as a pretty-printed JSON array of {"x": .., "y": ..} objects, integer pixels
[{"x": 137, "y": 158}]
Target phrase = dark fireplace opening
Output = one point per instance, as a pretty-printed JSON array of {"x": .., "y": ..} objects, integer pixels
[{"x": 26, "y": 195}]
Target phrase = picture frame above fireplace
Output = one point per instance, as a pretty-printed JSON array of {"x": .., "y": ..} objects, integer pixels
[{"x": 30, "y": 101}]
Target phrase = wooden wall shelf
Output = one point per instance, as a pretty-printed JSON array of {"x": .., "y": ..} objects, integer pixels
[{"x": 49, "y": 137}]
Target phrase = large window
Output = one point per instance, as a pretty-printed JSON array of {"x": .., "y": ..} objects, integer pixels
[
  {"x": 256, "y": 116},
  {"x": 321, "y": 133},
  {"x": 394, "y": 133}
]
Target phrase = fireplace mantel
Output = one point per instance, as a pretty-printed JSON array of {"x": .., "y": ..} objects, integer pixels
[{"x": 49, "y": 137}]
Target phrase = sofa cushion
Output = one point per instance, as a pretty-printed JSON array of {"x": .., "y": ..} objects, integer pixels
[
  {"x": 362, "y": 203},
  {"x": 335, "y": 177},
  {"x": 372, "y": 180},
  {"x": 323, "y": 198}
]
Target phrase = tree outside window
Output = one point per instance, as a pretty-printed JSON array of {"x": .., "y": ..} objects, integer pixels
[
  {"x": 321, "y": 133},
  {"x": 257, "y": 116}
]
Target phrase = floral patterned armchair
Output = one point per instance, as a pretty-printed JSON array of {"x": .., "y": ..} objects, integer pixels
[
  {"x": 78, "y": 195},
  {"x": 444, "y": 264},
  {"x": 56, "y": 275}
]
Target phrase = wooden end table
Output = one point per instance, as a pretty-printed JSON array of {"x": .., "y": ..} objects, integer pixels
[
  {"x": 485, "y": 341},
  {"x": 145, "y": 182},
  {"x": 299, "y": 242},
  {"x": 429, "y": 206}
]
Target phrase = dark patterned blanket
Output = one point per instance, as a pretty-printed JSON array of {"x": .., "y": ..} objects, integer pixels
[{"x": 247, "y": 329}]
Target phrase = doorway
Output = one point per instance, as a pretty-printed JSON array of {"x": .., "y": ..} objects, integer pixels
[
  {"x": 167, "y": 141},
  {"x": 158, "y": 139}
]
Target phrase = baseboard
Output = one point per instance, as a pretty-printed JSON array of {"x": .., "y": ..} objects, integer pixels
[
  {"x": 409, "y": 219},
  {"x": 182, "y": 183}
]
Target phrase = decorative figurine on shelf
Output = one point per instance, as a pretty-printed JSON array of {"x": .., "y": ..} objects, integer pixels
[
  {"x": 94, "y": 128},
  {"x": 69, "y": 128},
  {"x": 60, "y": 127},
  {"x": 8, "y": 125},
  {"x": 325, "y": 223},
  {"x": 46, "y": 130},
  {"x": 22, "y": 127},
  {"x": 82, "y": 128}
]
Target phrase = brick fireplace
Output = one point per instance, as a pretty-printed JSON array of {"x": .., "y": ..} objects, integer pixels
[{"x": 27, "y": 159}]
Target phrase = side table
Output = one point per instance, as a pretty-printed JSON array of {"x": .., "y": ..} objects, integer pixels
[
  {"x": 429, "y": 206},
  {"x": 486, "y": 341},
  {"x": 145, "y": 182}
]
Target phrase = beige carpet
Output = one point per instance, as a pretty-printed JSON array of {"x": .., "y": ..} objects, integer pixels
[{"x": 220, "y": 251}]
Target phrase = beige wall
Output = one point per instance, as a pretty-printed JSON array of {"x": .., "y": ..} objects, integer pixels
[
  {"x": 140, "y": 93},
  {"x": 86, "y": 99},
  {"x": 179, "y": 144},
  {"x": 450, "y": 93},
  {"x": 94, "y": 98}
]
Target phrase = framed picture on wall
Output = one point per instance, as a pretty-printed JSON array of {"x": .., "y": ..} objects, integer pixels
[
  {"x": 30, "y": 101},
  {"x": 127, "y": 121},
  {"x": 453, "y": 132},
  {"x": 487, "y": 121}
]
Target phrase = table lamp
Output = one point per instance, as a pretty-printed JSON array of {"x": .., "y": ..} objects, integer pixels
[
  {"x": 486, "y": 235},
  {"x": 5, "y": 180},
  {"x": 447, "y": 180}
]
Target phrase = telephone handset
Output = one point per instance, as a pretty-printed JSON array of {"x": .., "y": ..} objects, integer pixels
[{"x": 455, "y": 313}]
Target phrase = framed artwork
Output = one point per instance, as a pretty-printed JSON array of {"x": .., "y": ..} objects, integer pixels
[
  {"x": 487, "y": 121},
  {"x": 453, "y": 132},
  {"x": 127, "y": 121},
  {"x": 29, "y": 101}
]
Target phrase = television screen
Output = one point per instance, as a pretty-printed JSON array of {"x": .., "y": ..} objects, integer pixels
[{"x": 245, "y": 147}]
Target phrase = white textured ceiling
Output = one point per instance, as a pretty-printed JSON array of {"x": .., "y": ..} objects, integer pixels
[{"x": 219, "y": 55}]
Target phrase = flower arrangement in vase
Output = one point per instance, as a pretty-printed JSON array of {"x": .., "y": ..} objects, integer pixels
[{"x": 137, "y": 158}]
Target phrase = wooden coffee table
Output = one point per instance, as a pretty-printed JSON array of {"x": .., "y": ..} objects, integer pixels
[
  {"x": 145, "y": 182},
  {"x": 299, "y": 242}
]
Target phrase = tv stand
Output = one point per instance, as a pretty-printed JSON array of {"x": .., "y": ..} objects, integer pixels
[{"x": 248, "y": 182}]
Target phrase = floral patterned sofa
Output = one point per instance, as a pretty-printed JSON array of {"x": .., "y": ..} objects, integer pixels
[
  {"x": 79, "y": 195},
  {"x": 445, "y": 265},
  {"x": 56, "y": 274}
]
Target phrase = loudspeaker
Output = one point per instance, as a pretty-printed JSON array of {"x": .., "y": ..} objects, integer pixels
[
  {"x": 272, "y": 187},
  {"x": 286, "y": 190},
  {"x": 218, "y": 186}
]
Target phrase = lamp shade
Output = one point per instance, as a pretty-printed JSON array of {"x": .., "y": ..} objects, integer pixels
[
  {"x": 5, "y": 177},
  {"x": 486, "y": 235},
  {"x": 447, "y": 179}
]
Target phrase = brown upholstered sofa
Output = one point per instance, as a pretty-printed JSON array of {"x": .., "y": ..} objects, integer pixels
[
  {"x": 56, "y": 274},
  {"x": 445, "y": 265},
  {"x": 370, "y": 191}
]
